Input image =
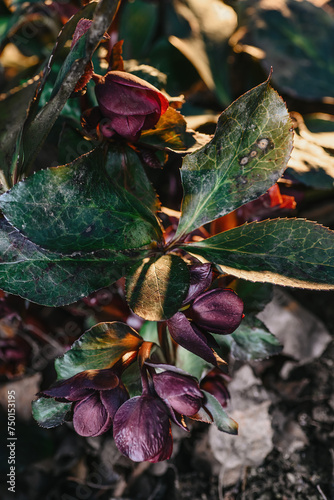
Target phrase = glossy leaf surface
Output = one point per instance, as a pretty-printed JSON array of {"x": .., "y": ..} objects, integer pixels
[
  {"x": 246, "y": 156},
  {"x": 50, "y": 413},
  {"x": 157, "y": 287},
  {"x": 289, "y": 252},
  {"x": 55, "y": 279},
  {"x": 98, "y": 348},
  {"x": 78, "y": 207}
]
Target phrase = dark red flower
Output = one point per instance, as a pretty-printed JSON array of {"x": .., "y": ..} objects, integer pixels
[
  {"x": 96, "y": 396},
  {"x": 216, "y": 311},
  {"x": 128, "y": 104},
  {"x": 179, "y": 391},
  {"x": 142, "y": 429}
]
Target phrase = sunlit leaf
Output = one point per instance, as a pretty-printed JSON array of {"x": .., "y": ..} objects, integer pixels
[
  {"x": 157, "y": 287},
  {"x": 247, "y": 155},
  {"x": 99, "y": 347},
  {"x": 290, "y": 252}
]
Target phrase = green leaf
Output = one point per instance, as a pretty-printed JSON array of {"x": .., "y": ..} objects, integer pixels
[
  {"x": 50, "y": 413},
  {"x": 246, "y": 156},
  {"x": 297, "y": 41},
  {"x": 54, "y": 279},
  {"x": 157, "y": 287},
  {"x": 149, "y": 332},
  {"x": 13, "y": 111},
  {"x": 252, "y": 341},
  {"x": 99, "y": 347},
  {"x": 255, "y": 296},
  {"x": 125, "y": 168},
  {"x": 78, "y": 207},
  {"x": 40, "y": 125},
  {"x": 191, "y": 363},
  {"x": 288, "y": 252},
  {"x": 206, "y": 44},
  {"x": 220, "y": 417}
]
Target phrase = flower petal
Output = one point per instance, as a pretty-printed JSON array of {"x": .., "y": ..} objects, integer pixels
[
  {"x": 190, "y": 337},
  {"x": 90, "y": 417},
  {"x": 81, "y": 385},
  {"x": 218, "y": 311},
  {"x": 200, "y": 280},
  {"x": 142, "y": 429},
  {"x": 182, "y": 392},
  {"x": 127, "y": 126},
  {"x": 113, "y": 399}
]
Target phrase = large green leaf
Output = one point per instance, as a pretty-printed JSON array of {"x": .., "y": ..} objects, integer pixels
[
  {"x": 157, "y": 287},
  {"x": 54, "y": 279},
  {"x": 99, "y": 347},
  {"x": 50, "y": 413},
  {"x": 125, "y": 168},
  {"x": 78, "y": 207},
  {"x": 246, "y": 156},
  {"x": 296, "y": 38},
  {"x": 290, "y": 252}
]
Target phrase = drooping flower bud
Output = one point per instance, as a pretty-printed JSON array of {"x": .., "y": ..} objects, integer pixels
[
  {"x": 128, "y": 104},
  {"x": 142, "y": 429},
  {"x": 217, "y": 311},
  {"x": 181, "y": 392}
]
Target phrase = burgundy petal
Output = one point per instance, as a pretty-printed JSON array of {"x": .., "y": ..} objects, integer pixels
[
  {"x": 80, "y": 385},
  {"x": 182, "y": 392},
  {"x": 128, "y": 126},
  {"x": 218, "y": 311},
  {"x": 113, "y": 399},
  {"x": 125, "y": 101},
  {"x": 190, "y": 337},
  {"x": 106, "y": 128},
  {"x": 142, "y": 429},
  {"x": 200, "y": 280},
  {"x": 90, "y": 417}
]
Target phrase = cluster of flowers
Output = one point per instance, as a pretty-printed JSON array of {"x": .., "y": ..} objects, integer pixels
[{"x": 142, "y": 424}]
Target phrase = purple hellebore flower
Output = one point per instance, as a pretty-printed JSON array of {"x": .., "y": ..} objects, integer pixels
[
  {"x": 179, "y": 391},
  {"x": 217, "y": 311},
  {"x": 128, "y": 105},
  {"x": 142, "y": 429},
  {"x": 96, "y": 394}
]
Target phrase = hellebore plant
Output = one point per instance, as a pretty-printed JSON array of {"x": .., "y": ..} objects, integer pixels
[{"x": 70, "y": 230}]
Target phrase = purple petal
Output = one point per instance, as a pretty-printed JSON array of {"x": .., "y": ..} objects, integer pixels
[
  {"x": 81, "y": 385},
  {"x": 200, "y": 280},
  {"x": 90, "y": 417},
  {"x": 142, "y": 429},
  {"x": 190, "y": 337},
  {"x": 182, "y": 392},
  {"x": 113, "y": 399},
  {"x": 106, "y": 128},
  {"x": 128, "y": 126},
  {"x": 218, "y": 311},
  {"x": 124, "y": 100}
]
